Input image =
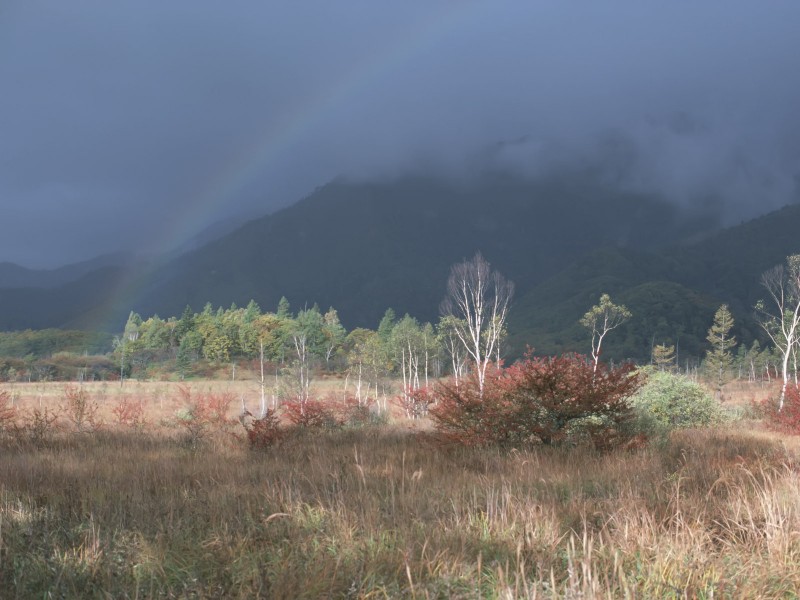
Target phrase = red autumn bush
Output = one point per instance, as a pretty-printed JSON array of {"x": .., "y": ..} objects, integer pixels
[
  {"x": 208, "y": 408},
  {"x": 414, "y": 403},
  {"x": 330, "y": 412},
  {"x": 8, "y": 412},
  {"x": 264, "y": 432},
  {"x": 313, "y": 414},
  {"x": 785, "y": 420},
  {"x": 203, "y": 413},
  {"x": 538, "y": 401},
  {"x": 353, "y": 413},
  {"x": 129, "y": 412},
  {"x": 80, "y": 409},
  {"x": 217, "y": 407},
  {"x": 461, "y": 415}
]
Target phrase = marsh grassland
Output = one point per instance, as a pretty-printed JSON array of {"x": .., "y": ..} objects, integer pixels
[{"x": 382, "y": 511}]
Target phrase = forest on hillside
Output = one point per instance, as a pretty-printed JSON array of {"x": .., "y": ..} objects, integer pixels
[{"x": 252, "y": 343}]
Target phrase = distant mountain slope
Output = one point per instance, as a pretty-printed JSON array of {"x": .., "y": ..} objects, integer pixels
[
  {"x": 15, "y": 276},
  {"x": 62, "y": 306},
  {"x": 368, "y": 246},
  {"x": 210, "y": 234},
  {"x": 672, "y": 293},
  {"x": 732, "y": 261},
  {"x": 364, "y": 247},
  {"x": 663, "y": 311}
]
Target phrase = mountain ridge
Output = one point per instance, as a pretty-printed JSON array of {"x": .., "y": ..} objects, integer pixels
[
  {"x": 13, "y": 275},
  {"x": 376, "y": 240},
  {"x": 363, "y": 247},
  {"x": 695, "y": 279}
]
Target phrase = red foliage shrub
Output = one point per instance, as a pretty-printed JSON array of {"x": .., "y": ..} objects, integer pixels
[
  {"x": 331, "y": 412},
  {"x": 538, "y": 400},
  {"x": 786, "y": 420},
  {"x": 203, "y": 413},
  {"x": 414, "y": 403},
  {"x": 354, "y": 413},
  {"x": 129, "y": 412},
  {"x": 39, "y": 426},
  {"x": 313, "y": 414},
  {"x": 463, "y": 416},
  {"x": 8, "y": 412},
  {"x": 80, "y": 409},
  {"x": 216, "y": 407},
  {"x": 207, "y": 408},
  {"x": 264, "y": 432}
]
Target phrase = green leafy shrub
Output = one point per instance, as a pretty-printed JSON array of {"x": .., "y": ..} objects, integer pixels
[{"x": 668, "y": 401}]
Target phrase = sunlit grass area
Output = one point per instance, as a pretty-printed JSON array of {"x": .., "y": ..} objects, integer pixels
[{"x": 384, "y": 512}]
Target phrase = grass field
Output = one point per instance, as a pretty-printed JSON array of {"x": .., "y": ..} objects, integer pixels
[{"x": 384, "y": 512}]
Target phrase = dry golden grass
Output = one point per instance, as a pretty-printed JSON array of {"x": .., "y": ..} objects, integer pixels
[
  {"x": 383, "y": 513},
  {"x": 161, "y": 399},
  {"x": 744, "y": 393}
]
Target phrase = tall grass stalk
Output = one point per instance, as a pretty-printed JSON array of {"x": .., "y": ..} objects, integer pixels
[{"x": 384, "y": 514}]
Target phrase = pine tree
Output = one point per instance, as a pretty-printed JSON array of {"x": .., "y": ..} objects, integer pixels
[
  {"x": 386, "y": 325},
  {"x": 720, "y": 358},
  {"x": 252, "y": 312},
  {"x": 284, "y": 311},
  {"x": 664, "y": 357},
  {"x": 185, "y": 324}
]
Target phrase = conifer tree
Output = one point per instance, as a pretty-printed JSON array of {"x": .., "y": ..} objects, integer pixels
[
  {"x": 664, "y": 357},
  {"x": 284, "y": 310},
  {"x": 720, "y": 358}
]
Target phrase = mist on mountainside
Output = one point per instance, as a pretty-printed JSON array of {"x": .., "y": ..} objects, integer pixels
[
  {"x": 139, "y": 127},
  {"x": 365, "y": 247}
]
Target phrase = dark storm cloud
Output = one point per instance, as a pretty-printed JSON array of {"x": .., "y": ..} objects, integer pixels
[{"x": 119, "y": 118}]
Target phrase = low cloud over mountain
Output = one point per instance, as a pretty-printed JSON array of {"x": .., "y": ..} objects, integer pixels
[{"x": 128, "y": 126}]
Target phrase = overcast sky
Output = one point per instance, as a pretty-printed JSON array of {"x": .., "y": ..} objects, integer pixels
[{"x": 133, "y": 124}]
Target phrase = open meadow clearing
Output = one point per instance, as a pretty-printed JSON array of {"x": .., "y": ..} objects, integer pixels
[
  {"x": 383, "y": 511},
  {"x": 399, "y": 300}
]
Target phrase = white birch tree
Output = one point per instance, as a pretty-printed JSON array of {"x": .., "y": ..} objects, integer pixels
[
  {"x": 479, "y": 298},
  {"x": 358, "y": 359},
  {"x": 307, "y": 341},
  {"x": 450, "y": 342},
  {"x": 780, "y": 317},
  {"x": 407, "y": 342},
  {"x": 601, "y": 319},
  {"x": 334, "y": 334}
]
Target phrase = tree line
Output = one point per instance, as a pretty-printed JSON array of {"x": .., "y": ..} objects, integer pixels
[
  {"x": 299, "y": 343},
  {"x": 469, "y": 336}
]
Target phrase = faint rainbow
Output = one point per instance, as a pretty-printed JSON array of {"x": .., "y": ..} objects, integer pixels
[{"x": 253, "y": 158}]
